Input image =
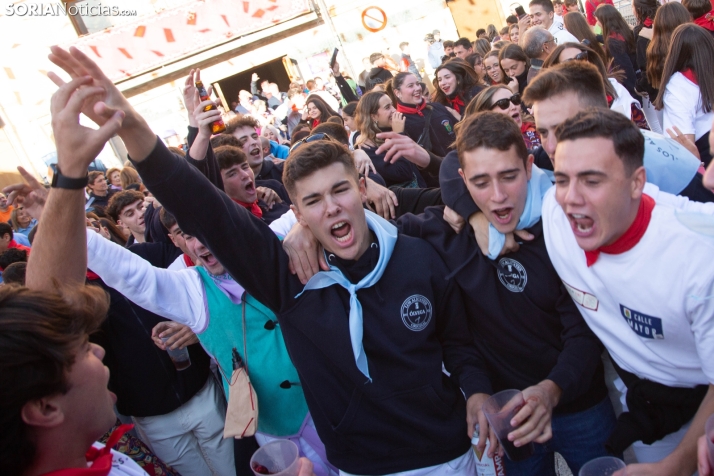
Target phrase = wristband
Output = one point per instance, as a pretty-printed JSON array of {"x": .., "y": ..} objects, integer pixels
[{"x": 60, "y": 181}]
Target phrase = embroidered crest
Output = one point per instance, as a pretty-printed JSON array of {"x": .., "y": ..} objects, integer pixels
[
  {"x": 512, "y": 274},
  {"x": 416, "y": 312}
]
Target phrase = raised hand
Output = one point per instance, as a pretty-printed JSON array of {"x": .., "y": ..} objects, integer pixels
[
  {"x": 189, "y": 95},
  {"x": 31, "y": 195}
]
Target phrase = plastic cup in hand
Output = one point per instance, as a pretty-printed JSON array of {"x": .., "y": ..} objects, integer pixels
[
  {"x": 279, "y": 457},
  {"x": 179, "y": 357},
  {"x": 709, "y": 431},
  {"x": 500, "y": 410},
  {"x": 605, "y": 466}
]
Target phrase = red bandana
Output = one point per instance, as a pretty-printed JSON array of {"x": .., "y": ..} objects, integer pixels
[
  {"x": 404, "y": 109},
  {"x": 92, "y": 276},
  {"x": 706, "y": 21},
  {"x": 315, "y": 123},
  {"x": 101, "y": 459},
  {"x": 632, "y": 236},
  {"x": 617, "y": 36},
  {"x": 456, "y": 104},
  {"x": 690, "y": 75},
  {"x": 187, "y": 259},
  {"x": 252, "y": 207},
  {"x": 647, "y": 23}
]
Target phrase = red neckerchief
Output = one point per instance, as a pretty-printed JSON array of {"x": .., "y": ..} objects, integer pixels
[
  {"x": 690, "y": 75},
  {"x": 405, "y": 109},
  {"x": 617, "y": 36},
  {"x": 647, "y": 23},
  {"x": 252, "y": 207},
  {"x": 92, "y": 276},
  {"x": 706, "y": 21},
  {"x": 610, "y": 99},
  {"x": 101, "y": 459},
  {"x": 456, "y": 104},
  {"x": 631, "y": 237},
  {"x": 187, "y": 259},
  {"x": 315, "y": 122}
]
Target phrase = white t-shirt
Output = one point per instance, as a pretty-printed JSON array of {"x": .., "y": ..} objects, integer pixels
[
  {"x": 652, "y": 306},
  {"x": 683, "y": 107},
  {"x": 561, "y": 35}
]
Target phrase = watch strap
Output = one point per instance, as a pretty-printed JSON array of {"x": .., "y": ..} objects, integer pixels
[{"x": 60, "y": 181}]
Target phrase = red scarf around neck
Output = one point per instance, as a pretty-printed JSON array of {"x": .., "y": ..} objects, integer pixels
[
  {"x": 647, "y": 23},
  {"x": 456, "y": 104},
  {"x": 252, "y": 207},
  {"x": 187, "y": 259},
  {"x": 690, "y": 75},
  {"x": 101, "y": 459},
  {"x": 706, "y": 21},
  {"x": 404, "y": 109},
  {"x": 631, "y": 237},
  {"x": 315, "y": 123},
  {"x": 617, "y": 36}
]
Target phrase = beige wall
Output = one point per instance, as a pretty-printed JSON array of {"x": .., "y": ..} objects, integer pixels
[{"x": 470, "y": 15}]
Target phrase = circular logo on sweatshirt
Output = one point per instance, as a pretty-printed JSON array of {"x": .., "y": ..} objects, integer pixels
[
  {"x": 512, "y": 274},
  {"x": 416, "y": 312}
]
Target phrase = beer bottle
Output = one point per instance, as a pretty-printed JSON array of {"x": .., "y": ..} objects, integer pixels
[{"x": 218, "y": 126}]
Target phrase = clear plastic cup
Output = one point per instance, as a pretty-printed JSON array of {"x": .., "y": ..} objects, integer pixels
[
  {"x": 179, "y": 357},
  {"x": 604, "y": 466},
  {"x": 499, "y": 410},
  {"x": 279, "y": 457},
  {"x": 709, "y": 431}
]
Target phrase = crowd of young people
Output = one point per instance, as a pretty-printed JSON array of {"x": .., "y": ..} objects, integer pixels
[{"x": 405, "y": 258}]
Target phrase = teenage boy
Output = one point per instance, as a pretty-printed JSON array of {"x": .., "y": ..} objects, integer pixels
[
  {"x": 379, "y": 73},
  {"x": 127, "y": 209},
  {"x": 614, "y": 246},
  {"x": 542, "y": 12},
  {"x": 377, "y": 393}
]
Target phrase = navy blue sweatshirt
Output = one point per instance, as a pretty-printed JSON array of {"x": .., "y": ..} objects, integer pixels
[
  {"x": 411, "y": 415},
  {"x": 441, "y": 132},
  {"x": 526, "y": 327},
  {"x": 401, "y": 173}
]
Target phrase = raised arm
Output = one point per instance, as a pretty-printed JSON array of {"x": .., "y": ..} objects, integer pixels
[{"x": 59, "y": 255}]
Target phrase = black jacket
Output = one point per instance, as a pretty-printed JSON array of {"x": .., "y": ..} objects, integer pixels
[
  {"x": 271, "y": 170},
  {"x": 142, "y": 375},
  {"x": 441, "y": 130},
  {"x": 643, "y": 84},
  {"x": 526, "y": 328},
  {"x": 411, "y": 415},
  {"x": 402, "y": 172},
  {"x": 377, "y": 76}
]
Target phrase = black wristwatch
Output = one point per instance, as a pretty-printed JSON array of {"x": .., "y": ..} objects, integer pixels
[{"x": 60, "y": 181}]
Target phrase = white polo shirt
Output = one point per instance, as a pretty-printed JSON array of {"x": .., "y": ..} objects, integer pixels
[
  {"x": 683, "y": 107},
  {"x": 561, "y": 35},
  {"x": 652, "y": 306}
]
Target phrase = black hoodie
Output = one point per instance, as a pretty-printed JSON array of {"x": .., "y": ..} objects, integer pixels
[{"x": 377, "y": 76}]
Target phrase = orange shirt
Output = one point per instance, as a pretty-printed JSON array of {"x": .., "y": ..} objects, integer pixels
[{"x": 5, "y": 215}]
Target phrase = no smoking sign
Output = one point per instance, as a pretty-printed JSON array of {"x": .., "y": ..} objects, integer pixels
[{"x": 374, "y": 19}]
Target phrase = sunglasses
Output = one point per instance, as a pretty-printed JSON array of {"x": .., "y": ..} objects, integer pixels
[
  {"x": 504, "y": 103},
  {"x": 582, "y": 56},
  {"x": 312, "y": 138}
]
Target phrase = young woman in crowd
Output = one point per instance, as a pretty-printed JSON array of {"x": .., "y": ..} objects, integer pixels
[
  {"x": 645, "y": 12},
  {"x": 686, "y": 93},
  {"x": 515, "y": 33},
  {"x": 22, "y": 222},
  {"x": 619, "y": 42},
  {"x": 702, "y": 12},
  {"x": 492, "y": 33},
  {"x": 272, "y": 133},
  {"x": 130, "y": 176},
  {"x": 112, "y": 232},
  {"x": 436, "y": 134},
  {"x": 493, "y": 68},
  {"x": 375, "y": 113},
  {"x": 475, "y": 60},
  {"x": 577, "y": 26},
  {"x": 502, "y": 100},
  {"x": 316, "y": 111},
  {"x": 669, "y": 16},
  {"x": 515, "y": 64},
  {"x": 456, "y": 84},
  {"x": 618, "y": 97},
  {"x": 482, "y": 46},
  {"x": 499, "y": 45},
  {"x": 348, "y": 115},
  {"x": 113, "y": 176}
]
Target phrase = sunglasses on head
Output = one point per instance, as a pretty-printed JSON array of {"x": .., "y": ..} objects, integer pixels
[
  {"x": 582, "y": 56},
  {"x": 311, "y": 138},
  {"x": 504, "y": 103}
]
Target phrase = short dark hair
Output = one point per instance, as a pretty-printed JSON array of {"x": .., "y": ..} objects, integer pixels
[
  {"x": 336, "y": 120},
  {"x": 6, "y": 229},
  {"x": 448, "y": 44},
  {"x": 333, "y": 130},
  {"x": 697, "y": 8},
  {"x": 311, "y": 157},
  {"x": 480, "y": 31},
  {"x": 227, "y": 156},
  {"x": 579, "y": 77},
  {"x": 511, "y": 20},
  {"x": 167, "y": 218},
  {"x": 465, "y": 43},
  {"x": 628, "y": 141},
  {"x": 375, "y": 56},
  {"x": 93, "y": 175},
  {"x": 224, "y": 139},
  {"x": 350, "y": 109},
  {"x": 12, "y": 255},
  {"x": 15, "y": 273},
  {"x": 241, "y": 121},
  {"x": 40, "y": 335},
  {"x": 491, "y": 130},
  {"x": 546, "y": 4},
  {"x": 299, "y": 135},
  {"x": 121, "y": 200}
]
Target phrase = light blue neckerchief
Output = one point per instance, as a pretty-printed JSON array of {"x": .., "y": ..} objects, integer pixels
[
  {"x": 387, "y": 237},
  {"x": 538, "y": 184}
]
